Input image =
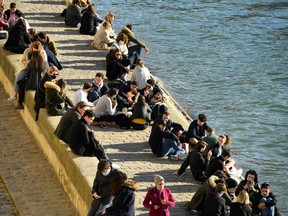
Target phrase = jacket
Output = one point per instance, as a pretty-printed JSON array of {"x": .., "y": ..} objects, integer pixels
[
  {"x": 95, "y": 93},
  {"x": 141, "y": 110},
  {"x": 102, "y": 38},
  {"x": 154, "y": 197},
  {"x": 198, "y": 165},
  {"x": 101, "y": 186},
  {"x": 18, "y": 39},
  {"x": 33, "y": 77},
  {"x": 196, "y": 131},
  {"x": 124, "y": 201},
  {"x": 215, "y": 164},
  {"x": 238, "y": 209},
  {"x": 63, "y": 128},
  {"x": 131, "y": 37},
  {"x": 215, "y": 205},
  {"x": 55, "y": 101},
  {"x": 89, "y": 22},
  {"x": 78, "y": 136},
  {"x": 157, "y": 138},
  {"x": 73, "y": 16}
]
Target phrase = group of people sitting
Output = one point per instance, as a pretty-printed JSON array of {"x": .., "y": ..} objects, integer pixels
[{"x": 136, "y": 102}]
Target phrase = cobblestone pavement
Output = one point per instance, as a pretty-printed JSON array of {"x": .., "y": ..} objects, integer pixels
[
  {"x": 32, "y": 183},
  {"x": 6, "y": 206}
]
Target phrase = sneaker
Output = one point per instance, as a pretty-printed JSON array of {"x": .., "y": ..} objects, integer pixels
[
  {"x": 173, "y": 157},
  {"x": 20, "y": 106},
  {"x": 11, "y": 98}
]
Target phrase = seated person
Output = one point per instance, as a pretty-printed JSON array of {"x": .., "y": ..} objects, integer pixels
[
  {"x": 4, "y": 24},
  {"x": 131, "y": 37},
  {"x": 264, "y": 202},
  {"x": 169, "y": 124},
  {"x": 197, "y": 162},
  {"x": 82, "y": 140},
  {"x": 10, "y": 13},
  {"x": 32, "y": 33},
  {"x": 40, "y": 93},
  {"x": 249, "y": 184},
  {"x": 99, "y": 88},
  {"x": 141, "y": 114},
  {"x": 241, "y": 205},
  {"x": 48, "y": 42},
  {"x": 105, "y": 110},
  {"x": 218, "y": 163},
  {"x": 89, "y": 21},
  {"x": 196, "y": 130},
  {"x": 141, "y": 74},
  {"x": 104, "y": 37},
  {"x": 223, "y": 140},
  {"x": 82, "y": 93},
  {"x": 127, "y": 95},
  {"x": 73, "y": 14},
  {"x": 163, "y": 143},
  {"x": 56, "y": 102},
  {"x": 150, "y": 90},
  {"x": 117, "y": 67},
  {"x": 18, "y": 38},
  {"x": 211, "y": 139},
  {"x": 72, "y": 115}
]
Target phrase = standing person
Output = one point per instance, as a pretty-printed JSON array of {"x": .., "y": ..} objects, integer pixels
[
  {"x": 249, "y": 184},
  {"x": 101, "y": 194},
  {"x": 197, "y": 128},
  {"x": 141, "y": 74},
  {"x": 264, "y": 202},
  {"x": 214, "y": 203},
  {"x": 159, "y": 199},
  {"x": 99, "y": 88},
  {"x": 82, "y": 140},
  {"x": 73, "y": 14},
  {"x": 197, "y": 162},
  {"x": 89, "y": 21},
  {"x": 122, "y": 189},
  {"x": 40, "y": 93},
  {"x": 72, "y": 115},
  {"x": 241, "y": 206}
]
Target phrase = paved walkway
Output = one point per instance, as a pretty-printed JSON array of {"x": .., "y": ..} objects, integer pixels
[
  {"x": 129, "y": 149},
  {"x": 32, "y": 183}
]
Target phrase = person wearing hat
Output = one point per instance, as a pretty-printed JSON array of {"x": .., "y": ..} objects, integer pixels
[
  {"x": 72, "y": 115},
  {"x": 158, "y": 199},
  {"x": 163, "y": 143}
]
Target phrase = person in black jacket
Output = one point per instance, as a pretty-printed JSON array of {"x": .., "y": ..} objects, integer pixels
[
  {"x": 18, "y": 38},
  {"x": 82, "y": 140},
  {"x": 163, "y": 143},
  {"x": 241, "y": 206},
  {"x": 196, "y": 130},
  {"x": 214, "y": 203},
  {"x": 127, "y": 95},
  {"x": 197, "y": 162},
  {"x": 89, "y": 21},
  {"x": 264, "y": 202},
  {"x": 102, "y": 196},
  {"x": 117, "y": 66}
]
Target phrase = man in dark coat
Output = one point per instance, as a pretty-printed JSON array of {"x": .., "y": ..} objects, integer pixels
[
  {"x": 82, "y": 140},
  {"x": 99, "y": 88},
  {"x": 101, "y": 190},
  {"x": 197, "y": 162},
  {"x": 214, "y": 203}
]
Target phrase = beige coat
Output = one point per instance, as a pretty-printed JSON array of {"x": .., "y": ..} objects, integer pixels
[{"x": 102, "y": 38}]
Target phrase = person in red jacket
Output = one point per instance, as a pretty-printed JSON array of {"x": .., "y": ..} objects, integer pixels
[{"x": 158, "y": 199}]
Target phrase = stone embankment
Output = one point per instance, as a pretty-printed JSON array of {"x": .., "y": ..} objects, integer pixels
[{"x": 128, "y": 148}]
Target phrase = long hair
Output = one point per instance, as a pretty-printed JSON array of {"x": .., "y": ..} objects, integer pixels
[
  {"x": 36, "y": 59},
  {"x": 252, "y": 172},
  {"x": 117, "y": 181},
  {"x": 243, "y": 198}
]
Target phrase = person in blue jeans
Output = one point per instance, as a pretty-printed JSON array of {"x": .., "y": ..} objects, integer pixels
[{"x": 163, "y": 143}]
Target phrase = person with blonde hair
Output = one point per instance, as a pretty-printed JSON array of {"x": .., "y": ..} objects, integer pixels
[
  {"x": 241, "y": 205},
  {"x": 159, "y": 198},
  {"x": 104, "y": 37}
]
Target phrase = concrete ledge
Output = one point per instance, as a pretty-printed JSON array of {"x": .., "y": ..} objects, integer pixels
[{"x": 58, "y": 154}]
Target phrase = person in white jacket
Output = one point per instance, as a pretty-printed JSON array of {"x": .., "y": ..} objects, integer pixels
[{"x": 81, "y": 94}]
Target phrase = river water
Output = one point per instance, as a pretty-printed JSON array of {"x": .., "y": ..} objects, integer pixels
[{"x": 229, "y": 60}]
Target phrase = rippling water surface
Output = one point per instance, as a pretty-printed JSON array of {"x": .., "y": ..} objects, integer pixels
[{"x": 228, "y": 59}]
